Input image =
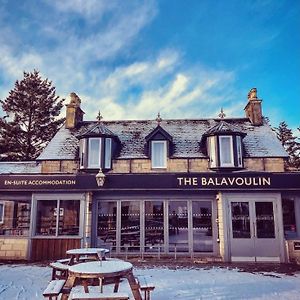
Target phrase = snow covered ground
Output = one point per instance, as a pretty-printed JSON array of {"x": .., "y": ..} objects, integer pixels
[{"x": 29, "y": 281}]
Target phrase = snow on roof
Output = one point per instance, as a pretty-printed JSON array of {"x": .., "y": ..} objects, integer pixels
[
  {"x": 260, "y": 141},
  {"x": 21, "y": 167}
]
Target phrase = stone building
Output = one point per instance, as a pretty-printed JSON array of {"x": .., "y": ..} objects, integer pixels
[{"x": 213, "y": 189}]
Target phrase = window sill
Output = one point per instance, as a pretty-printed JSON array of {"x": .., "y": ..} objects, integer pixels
[{"x": 226, "y": 168}]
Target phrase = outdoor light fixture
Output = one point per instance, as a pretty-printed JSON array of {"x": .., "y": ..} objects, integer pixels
[{"x": 100, "y": 178}]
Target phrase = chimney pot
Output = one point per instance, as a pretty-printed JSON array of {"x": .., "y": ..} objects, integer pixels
[
  {"x": 74, "y": 113},
  {"x": 253, "y": 108}
]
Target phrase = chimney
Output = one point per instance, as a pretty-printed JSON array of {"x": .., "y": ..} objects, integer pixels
[
  {"x": 74, "y": 113},
  {"x": 253, "y": 108}
]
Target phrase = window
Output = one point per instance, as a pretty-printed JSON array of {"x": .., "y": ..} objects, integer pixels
[
  {"x": 82, "y": 150},
  {"x": 15, "y": 217},
  {"x": 226, "y": 151},
  {"x": 212, "y": 151},
  {"x": 107, "y": 164},
  {"x": 239, "y": 151},
  {"x": 1, "y": 213},
  {"x": 94, "y": 153},
  {"x": 58, "y": 217},
  {"x": 289, "y": 218},
  {"x": 159, "y": 154}
]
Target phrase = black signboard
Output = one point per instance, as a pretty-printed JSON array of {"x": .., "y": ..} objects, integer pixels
[{"x": 174, "y": 181}]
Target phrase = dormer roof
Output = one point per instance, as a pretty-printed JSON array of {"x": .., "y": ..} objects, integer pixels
[
  {"x": 97, "y": 130},
  {"x": 158, "y": 133},
  {"x": 223, "y": 127}
]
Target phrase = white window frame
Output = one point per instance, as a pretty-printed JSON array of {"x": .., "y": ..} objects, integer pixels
[
  {"x": 90, "y": 165},
  {"x": 212, "y": 151},
  {"x": 107, "y": 154},
  {"x": 82, "y": 152},
  {"x": 165, "y": 154},
  {"x": 222, "y": 164},
  {"x": 239, "y": 151},
  {"x": 2, "y": 215},
  {"x": 58, "y": 197}
]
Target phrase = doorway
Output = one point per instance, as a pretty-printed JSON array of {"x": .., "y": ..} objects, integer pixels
[{"x": 254, "y": 231}]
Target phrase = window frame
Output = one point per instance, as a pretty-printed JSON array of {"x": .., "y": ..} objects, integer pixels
[
  {"x": 94, "y": 166},
  {"x": 164, "y": 142},
  {"x": 2, "y": 203},
  {"x": 222, "y": 164},
  {"x": 57, "y": 208},
  {"x": 239, "y": 151},
  {"x": 212, "y": 149},
  {"x": 82, "y": 153},
  {"x": 107, "y": 153}
]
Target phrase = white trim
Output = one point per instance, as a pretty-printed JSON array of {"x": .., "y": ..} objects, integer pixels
[
  {"x": 268, "y": 259},
  {"x": 242, "y": 258},
  {"x": 82, "y": 146},
  {"x": 231, "y": 164},
  {"x": 165, "y": 154},
  {"x": 107, "y": 154},
  {"x": 212, "y": 151},
  {"x": 97, "y": 165},
  {"x": 239, "y": 151},
  {"x": 3, "y": 208}
]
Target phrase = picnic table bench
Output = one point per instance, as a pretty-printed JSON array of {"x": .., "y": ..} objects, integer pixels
[
  {"x": 54, "y": 288},
  {"x": 99, "y": 296},
  {"x": 145, "y": 286}
]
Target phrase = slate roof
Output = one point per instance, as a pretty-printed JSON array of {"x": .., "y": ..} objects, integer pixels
[
  {"x": 223, "y": 128},
  {"x": 20, "y": 167},
  {"x": 99, "y": 129},
  {"x": 260, "y": 141}
]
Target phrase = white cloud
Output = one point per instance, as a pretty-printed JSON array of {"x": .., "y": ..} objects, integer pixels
[
  {"x": 138, "y": 89},
  {"x": 88, "y": 9},
  {"x": 142, "y": 89}
]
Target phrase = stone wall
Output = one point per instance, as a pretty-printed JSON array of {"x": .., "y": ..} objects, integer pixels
[
  {"x": 173, "y": 165},
  {"x": 293, "y": 254},
  {"x": 59, "y": 166},
  {"x": 13, "y": 248},
  {"x": 221, "y": 229},
  {"x": 123, "y": 166},
  {"x": 264, "y": 164}
]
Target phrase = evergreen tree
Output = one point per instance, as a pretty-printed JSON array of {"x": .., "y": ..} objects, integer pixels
[
  {"x": 32, "y": 109},
  {"x": 290, "y": 144}
]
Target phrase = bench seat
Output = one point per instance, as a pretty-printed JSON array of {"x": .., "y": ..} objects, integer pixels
[
  {"x": 99, "y": 296},
  {"x": 145, "y": 286},
  {"x": 54, "y": 288},
  {"x": 59, "y": 270}
]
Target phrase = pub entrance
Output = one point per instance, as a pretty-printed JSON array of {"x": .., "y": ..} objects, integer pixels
[{"x": 254, "y": 235}]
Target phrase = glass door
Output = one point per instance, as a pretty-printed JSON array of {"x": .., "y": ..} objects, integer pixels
[
  {"x": 178, "y": 226},
  {"x": 253, "y": 231},
  {"x": 266, "y": 241}
]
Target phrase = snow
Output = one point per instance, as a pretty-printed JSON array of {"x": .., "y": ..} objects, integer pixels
[
  {"x": 260, "y": 141},
  {"x": 22, "y": 282},
  {"x": 26, "y": 167}
]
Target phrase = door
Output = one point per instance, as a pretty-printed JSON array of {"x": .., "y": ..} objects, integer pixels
[{"x": 253, "y": 231}]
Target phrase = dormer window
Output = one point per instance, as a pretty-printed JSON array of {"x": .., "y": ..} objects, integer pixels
[
  {"x": 224, "y": 146},
  {"x": 94, "y": 158},
  {"x": 159, "y": 154},
  {"x": 158, "y": 148},
  {"x": 226, "y": 151},
  {"x": 96, "y": 147}
]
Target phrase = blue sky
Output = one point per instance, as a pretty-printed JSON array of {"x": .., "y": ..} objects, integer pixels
[{"x": 131, "y": 59}]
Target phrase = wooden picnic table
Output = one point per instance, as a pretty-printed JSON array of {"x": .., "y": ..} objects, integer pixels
[
  {"x": 93, "y": 253},
  {"x": 112, "y": 270}
]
